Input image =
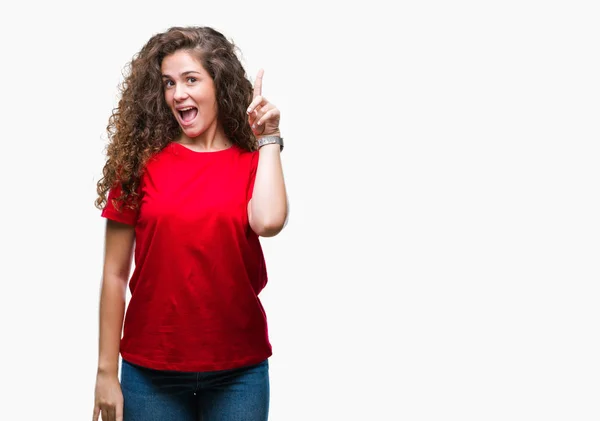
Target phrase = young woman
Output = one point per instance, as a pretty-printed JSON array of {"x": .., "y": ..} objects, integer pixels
[{"x": 193, "y": 177}]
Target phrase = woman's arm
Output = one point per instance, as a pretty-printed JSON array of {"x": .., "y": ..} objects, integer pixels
[
  {"x": 268, "y": 207},
  {"x": 108, "y": 398},
  {"x": 117, "y": 264}
]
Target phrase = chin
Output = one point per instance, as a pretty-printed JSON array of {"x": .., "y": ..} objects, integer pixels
[{"x": 191, "y": 132}]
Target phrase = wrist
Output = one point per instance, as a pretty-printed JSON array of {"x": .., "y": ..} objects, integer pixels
[
  {"x": 277, "y": 133},
  {"x": 108, "y": 368},
  {"x": 270, "y": 148},
  {"x": 271, "y": 139}
]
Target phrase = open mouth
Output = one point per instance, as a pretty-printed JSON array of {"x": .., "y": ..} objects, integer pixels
[{"x": 188, "y": 114}]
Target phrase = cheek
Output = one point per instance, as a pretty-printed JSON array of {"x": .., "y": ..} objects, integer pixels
[
  {"x": 206, "y": 95},
  {"x": 169, "y": 102}
]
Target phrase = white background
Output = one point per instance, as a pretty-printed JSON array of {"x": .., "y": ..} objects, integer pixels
[{"x": 442, "y": 165}]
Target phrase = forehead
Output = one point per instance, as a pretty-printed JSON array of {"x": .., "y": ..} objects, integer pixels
[{"x": 180, "y": 61}]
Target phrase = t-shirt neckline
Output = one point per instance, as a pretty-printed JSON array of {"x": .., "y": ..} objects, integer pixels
[{"x": 197, "y": 153}]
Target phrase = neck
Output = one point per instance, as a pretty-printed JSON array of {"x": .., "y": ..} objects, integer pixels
[{"x": 210, "y": 140}]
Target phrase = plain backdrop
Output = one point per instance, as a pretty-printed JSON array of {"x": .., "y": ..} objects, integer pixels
[{"x": 441, "y": 257}]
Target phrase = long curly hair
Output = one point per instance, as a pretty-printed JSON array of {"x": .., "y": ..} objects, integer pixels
[{"x": 142, "y": 124}]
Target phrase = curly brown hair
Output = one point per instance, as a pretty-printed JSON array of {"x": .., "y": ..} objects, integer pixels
[{"x": 142, "y": 124}]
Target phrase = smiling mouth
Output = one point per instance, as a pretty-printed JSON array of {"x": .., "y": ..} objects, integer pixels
[{"x": 188, "y": 114}]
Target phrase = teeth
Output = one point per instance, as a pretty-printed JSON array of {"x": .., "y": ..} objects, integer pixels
[{"x": 186, "y": 109}]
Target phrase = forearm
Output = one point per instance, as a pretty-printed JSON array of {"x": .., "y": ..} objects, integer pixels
[
  {"x": 269, "y": 198},
  {"x": 112, "y": 311}
]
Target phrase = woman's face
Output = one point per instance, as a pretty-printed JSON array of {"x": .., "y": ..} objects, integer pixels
[{"x": 189, "y": 92}]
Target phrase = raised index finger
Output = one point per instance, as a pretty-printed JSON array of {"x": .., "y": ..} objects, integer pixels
[{"x": 258, "y": 83}]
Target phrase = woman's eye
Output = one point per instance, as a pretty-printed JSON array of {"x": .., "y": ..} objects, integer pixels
[
  {"x": 167, "y": 83},
  {"x": 192, "y": 79}
]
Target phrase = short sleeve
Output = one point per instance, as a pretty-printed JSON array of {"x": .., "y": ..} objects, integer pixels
[
  {"x": 253, "y": 168},
  {"x": 126, "y": 216}
]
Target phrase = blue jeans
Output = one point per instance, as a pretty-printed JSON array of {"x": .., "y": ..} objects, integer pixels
[{"x": 227, "y": 395}]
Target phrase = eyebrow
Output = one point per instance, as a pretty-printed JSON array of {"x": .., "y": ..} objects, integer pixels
[{"x": 183, "y": 73}]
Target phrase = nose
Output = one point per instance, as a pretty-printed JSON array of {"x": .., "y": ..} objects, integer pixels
[{"x": 180, "y": 92}]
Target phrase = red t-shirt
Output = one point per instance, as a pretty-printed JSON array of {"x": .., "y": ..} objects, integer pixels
[{"x": 199, "y": 267}]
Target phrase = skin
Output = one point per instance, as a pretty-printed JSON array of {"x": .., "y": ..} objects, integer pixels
[
  {"x": 268, "y": 208},
  {"x": 118, "y": 255},
  {"x": 186, "y": 82}
]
